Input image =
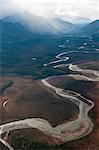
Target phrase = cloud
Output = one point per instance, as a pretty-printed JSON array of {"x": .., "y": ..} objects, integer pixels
[
  {"x": 79, "y": 9},
  {"x": 70, "y": 10},
  {"x": 7, "y": 7}
]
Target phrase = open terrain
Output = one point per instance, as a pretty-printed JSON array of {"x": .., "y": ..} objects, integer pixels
[
  {"x": 24, "y": 95},
  {"x": 27, "y": 98},
  {"x": 90, "y": 90},
  {"x": 71, "y": 83}
]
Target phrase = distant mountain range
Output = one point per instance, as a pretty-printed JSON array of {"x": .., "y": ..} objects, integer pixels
[
  {"x": 40, "y": 25},
  {"x": 19, "y": 27},
  {"x": 91, "y": 28}
]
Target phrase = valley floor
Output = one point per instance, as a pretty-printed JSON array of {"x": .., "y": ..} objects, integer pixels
[{"x": 24, "y": 99}]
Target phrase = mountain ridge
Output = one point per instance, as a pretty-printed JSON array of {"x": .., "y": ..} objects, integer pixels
[
  {"x": 18, "y": 27},
  {"x": 91, "y": 28}
]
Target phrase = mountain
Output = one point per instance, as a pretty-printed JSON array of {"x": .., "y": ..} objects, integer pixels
[
  {"x": 19, "y": 26},
  {"x": 91, "y": 28},
  {"x": 34, "y": 24},
  {"x": 22, "y": 27},
  {"x": 63, "y": 26},
  {"x": 40, "y": 25},
  {"x": 13, "y": 32}
]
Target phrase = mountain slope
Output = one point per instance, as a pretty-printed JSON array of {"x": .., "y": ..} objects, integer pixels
[
  {"x": 13, "y": 32},
  {"x": 91, "y": 28},
  {"x": 41, "y": 25},
  {"x": 63, "y": 26},
  {"x": 33, "y": 23}
]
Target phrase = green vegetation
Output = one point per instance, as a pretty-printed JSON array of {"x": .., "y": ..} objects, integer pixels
[{"x": 17, "y": 57}]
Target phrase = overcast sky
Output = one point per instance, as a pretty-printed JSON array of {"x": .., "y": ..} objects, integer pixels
[{"x": 70, "y": 10}]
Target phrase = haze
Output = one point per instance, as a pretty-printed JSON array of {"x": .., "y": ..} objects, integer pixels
[{"x": 76, "y": 11}]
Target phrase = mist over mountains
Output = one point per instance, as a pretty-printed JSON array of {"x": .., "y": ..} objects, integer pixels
[
  {"x": 18, "y": 27},
  {"x": 40, "y": 25}
]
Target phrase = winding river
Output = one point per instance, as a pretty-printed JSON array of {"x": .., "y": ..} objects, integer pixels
[{"x": 64, "y": 132}]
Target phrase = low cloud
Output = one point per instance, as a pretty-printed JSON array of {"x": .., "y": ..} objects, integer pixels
[{"x": 71, "y": 10}]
